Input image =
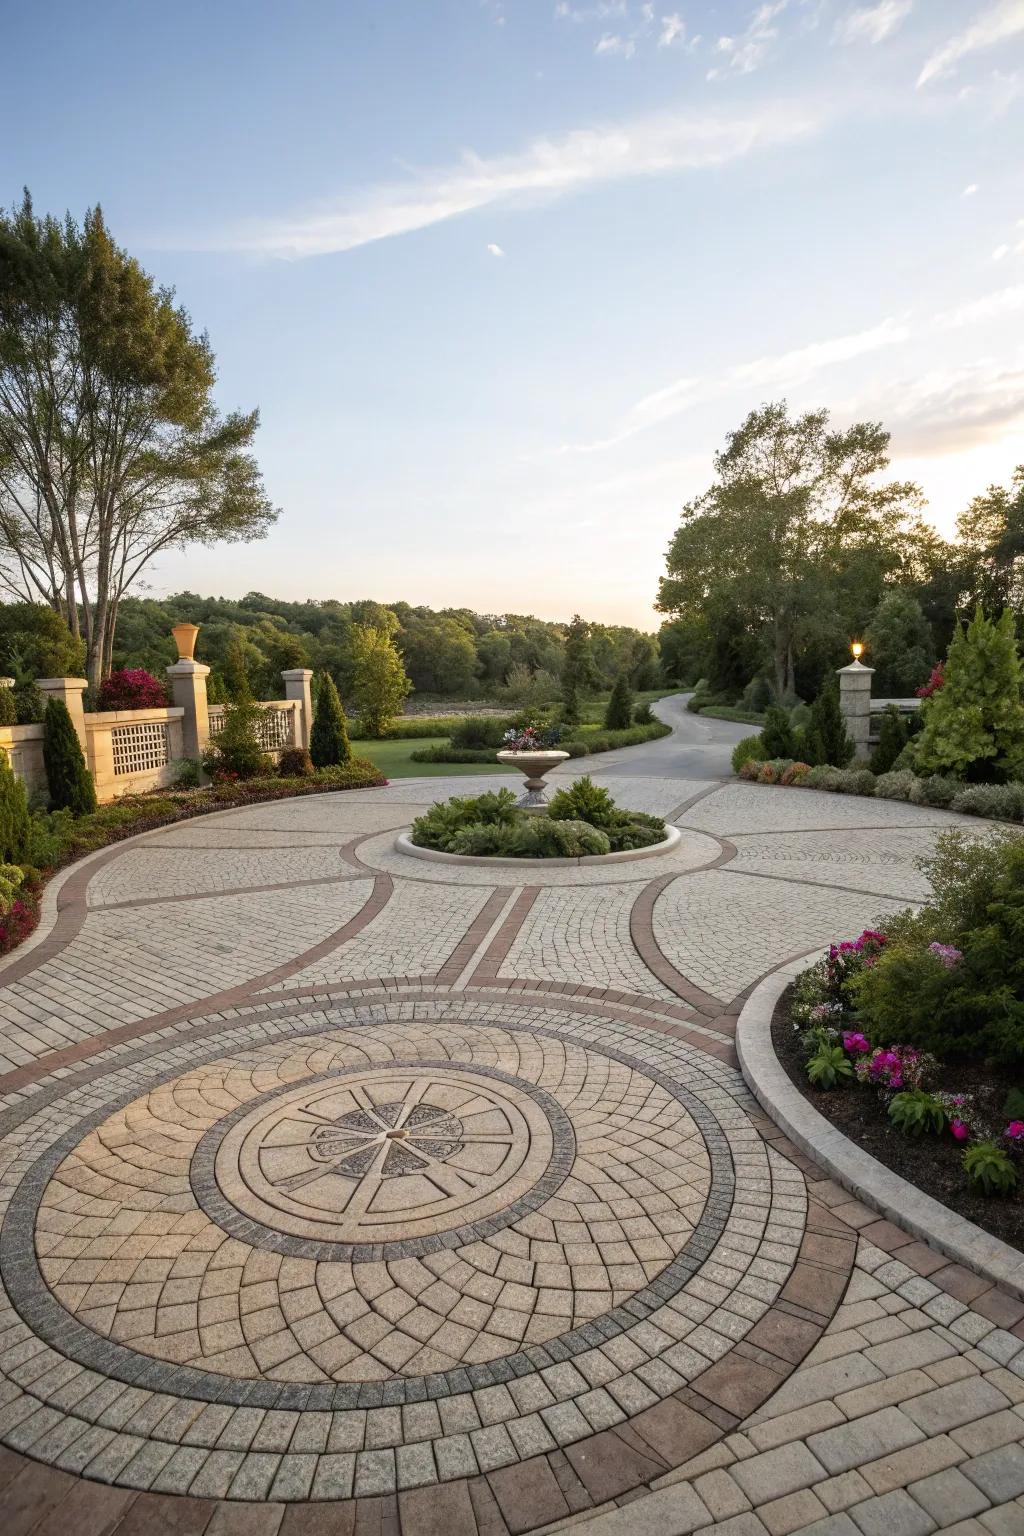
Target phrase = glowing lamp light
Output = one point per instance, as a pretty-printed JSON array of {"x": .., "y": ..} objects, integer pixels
[{"x": 857, "y": 649}]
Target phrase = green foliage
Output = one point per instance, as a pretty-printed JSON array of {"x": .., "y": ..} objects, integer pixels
[
  {"x": 480, "y": 732},
  {"x": 35, "y": 642},
  {"x": 438, "y": 826},
  {"x": 581, "y": 820},
  {"x": 380, "y": 684},
  {"x": 69, "y": 780},
  {"x": 896, "y": 786},
  {"x": 8, "y": 707},
  {"x": 975, "y": 1008},
  {"x": 777, "y": 736},
  {"x": 842, "y": 781},
  {"x": 1002, "y": 802},
  {"x": 236, "y": 751},
  {"x": 748, "y": 749},
  {"x": 892, "y": 738},
  {"x": 915, "y": 1111},
  {"x": 937, "y": 789},
  {"x": 974, "y": 724},
  {"x": 14, "y": 818},
  {"x": 328, "y": 740},
  {"x": 900, "y": 646},
  {"x": 30, "y": 701},
  {"x": 1013, "y": 1108},
  {"x": 534, "y": 837},
  {"x": 644, "y": 715},
  {"x": 188, "y": 773},
  {"x": 618, "y": 715},
  {"x": 296, "y": 763},
  {"x": 989, "y": 1169},
  {"x": 10, "y": 883},
  {"x": 570, "y": 711},
  {"x": 583, "y": 801},
  {"x": 579, "y": 674},
  {"x": 829, "y": 1066},
  {"x": 826, "y": 740}
]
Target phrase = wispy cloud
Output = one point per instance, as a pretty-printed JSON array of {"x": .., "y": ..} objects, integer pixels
[
  {"x": 950, "y": 410},
  {"x": 547, "y": 168},
  {"x": 1001, "y": 21},
  {"x": 970, "y": 190},
  {"x": 611, "y": 44},
  {"x": 673, "y": 30},
  {"x": 762, "y": 374},
  {"x": 1003, "y": 301},
  {"x": 495, "y": 250},
  {"x": 749, "y": 49},
  {"x": 873, "y": 23}
]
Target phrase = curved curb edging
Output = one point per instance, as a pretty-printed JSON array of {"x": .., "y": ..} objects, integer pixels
[
  {"x": 856, "y": 1170},
  {"x": 405, "y": 845}
]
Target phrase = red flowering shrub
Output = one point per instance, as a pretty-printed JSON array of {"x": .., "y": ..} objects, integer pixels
[
  {"x": 934, "y": 683},
  {"x": 19, "y": 922},
  {"x": 132, "y": 688}
]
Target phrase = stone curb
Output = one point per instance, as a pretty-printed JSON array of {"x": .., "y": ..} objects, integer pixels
[
  {"x": 404, "y": 844},
  {"x": 856, "y": 1170}
]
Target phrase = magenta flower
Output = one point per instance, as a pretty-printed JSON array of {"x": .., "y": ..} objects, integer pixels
[
  {"x": 853, "y": 1040},
  {"x": 1015, "y": 1130},
  {"x": 959, "y": 1130}
]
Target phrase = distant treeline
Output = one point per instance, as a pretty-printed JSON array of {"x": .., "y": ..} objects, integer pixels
[{"x": 451, "y": 653}]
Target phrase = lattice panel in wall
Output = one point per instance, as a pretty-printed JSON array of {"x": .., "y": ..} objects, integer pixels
[{"x": 139, "y": 747}]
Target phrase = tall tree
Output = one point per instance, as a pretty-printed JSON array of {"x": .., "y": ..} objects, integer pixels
[
  {"x": 111, "y": 448},
  {"x": 899, "y": 641},
  {"x": 381, "y": 684},
  {"x": 790, "y": 501}
]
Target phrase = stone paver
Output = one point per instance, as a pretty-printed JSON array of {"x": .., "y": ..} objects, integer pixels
[{"x": 341, "y": 1192}]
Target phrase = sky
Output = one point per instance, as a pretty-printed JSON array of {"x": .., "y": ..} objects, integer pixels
[{"x": 500, "y": 275}]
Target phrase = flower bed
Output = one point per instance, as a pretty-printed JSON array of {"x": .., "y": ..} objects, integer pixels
[
  {"x": 58, "y": 838},
  {"x": 580, "y": 821},
  {"x": 911, "y": 1037}
]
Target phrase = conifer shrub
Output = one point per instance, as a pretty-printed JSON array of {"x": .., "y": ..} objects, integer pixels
[
  {"x": 745, "y": 751},
  {"x": 973, "y": 726},
  {"x": 69, "y": 780},
  {"x": 328, "y": 741},
  {"x": 892, "y": 738},
  {"x": 826, "y": 741},
  {"x": 14, "y": 817},
  {"x": 777, "y": 736},
  {"x": 618, "y": 715}
]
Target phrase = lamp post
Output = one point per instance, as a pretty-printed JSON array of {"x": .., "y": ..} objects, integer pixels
[{"x": 855, "y": 701}]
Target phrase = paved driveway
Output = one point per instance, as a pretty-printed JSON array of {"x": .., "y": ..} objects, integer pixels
[{"x": 345, "y": 1192}]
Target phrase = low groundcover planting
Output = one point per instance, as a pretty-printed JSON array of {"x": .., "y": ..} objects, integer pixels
[
  {"x": 1000, "y": 802},
  {"x": 922, "y": 1022},
  {"x": 578, "y": 821}
]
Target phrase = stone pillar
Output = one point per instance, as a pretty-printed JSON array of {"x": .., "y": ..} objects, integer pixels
[
  {"x": 188, "y": 689},
  {"x": 69, "y": 690},
  {"x": 855, "y": 705},
  {"x": 297, "y": 686}
]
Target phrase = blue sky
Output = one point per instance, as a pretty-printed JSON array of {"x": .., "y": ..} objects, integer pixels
[{"x": 500, "y": 276}]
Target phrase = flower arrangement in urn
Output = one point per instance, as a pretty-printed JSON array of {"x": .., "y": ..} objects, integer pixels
[{"x": 534, "y": 752}]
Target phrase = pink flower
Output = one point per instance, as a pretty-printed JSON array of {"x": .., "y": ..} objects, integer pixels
[
  {"x": 947, "y": 954},
  {"x": 1015, "y": 1130},
  {"x": 853, "y": 1040},
  {"x": 959, "y": 1130}
]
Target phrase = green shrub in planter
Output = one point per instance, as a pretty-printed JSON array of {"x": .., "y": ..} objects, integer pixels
[
  {"x": 937, "y": 789},
  {"x": 897, "y": 785},
  {"x": 70, "y": 782},
  {"x": 989, "y": 1169},
  {"x": 745, "y": 751},
  {"x": 1003, "y": 802}
]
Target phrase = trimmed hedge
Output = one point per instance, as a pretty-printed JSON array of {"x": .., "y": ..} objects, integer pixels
[
  {"x": 576, "y": 746},
  {"x": 997, "y": 802}
]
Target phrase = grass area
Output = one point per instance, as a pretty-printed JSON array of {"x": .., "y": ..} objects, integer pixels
[
  {"x": 394, "y": 759},
  {"x": 733, "y": 712}
]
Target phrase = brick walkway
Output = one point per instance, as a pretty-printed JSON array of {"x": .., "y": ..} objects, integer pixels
[{"x": 348, "y": 1193}]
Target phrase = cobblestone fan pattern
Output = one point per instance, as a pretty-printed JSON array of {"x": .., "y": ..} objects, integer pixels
[
  {"x": 413, "y": 936},
  {"x": 343, "y": 1192},
  {"x": 564, "y": 936}
]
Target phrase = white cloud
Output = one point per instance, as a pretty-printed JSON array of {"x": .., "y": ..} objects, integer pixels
[
  {"x": 609, "y": 43},
  {"x": 656, "y": 145},
  {"x": 495, "y": 250},
  {"x": 873, "y": 23},
  {"x": 749, "y": 50},
  {"x": 1003, "y": 302},
  {"x": 948, "y": 410},
  {"x": 761, "y": 375},
  {"x": 1000, "y": 21},
  {"x": 1000, "y": 252},
  {"x": 970, "y": 191},
  {"x": 673, "y": 30}
]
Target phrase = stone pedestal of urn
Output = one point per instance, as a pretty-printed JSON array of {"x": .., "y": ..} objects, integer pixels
[{"x": 534, "y": 765}]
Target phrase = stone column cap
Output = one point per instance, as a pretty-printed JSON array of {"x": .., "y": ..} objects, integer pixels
[
  {"x": 186, "y": 668},
  {"x": 72, "y": 684},
  {"x": 302, "y": 672},
  {"x": 855, "y": 669}
]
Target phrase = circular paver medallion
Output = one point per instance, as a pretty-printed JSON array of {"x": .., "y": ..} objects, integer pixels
[{"x": 381, "y": 1157}]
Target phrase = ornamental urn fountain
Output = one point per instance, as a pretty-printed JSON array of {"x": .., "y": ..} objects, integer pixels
[{"x": 526, "y": 751}]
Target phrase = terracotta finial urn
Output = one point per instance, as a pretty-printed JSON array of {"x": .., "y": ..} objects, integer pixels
[{"x": 185, "y": 640}]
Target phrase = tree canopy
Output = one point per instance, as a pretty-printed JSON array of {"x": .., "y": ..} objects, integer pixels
[{"x": 111, "y": 447}]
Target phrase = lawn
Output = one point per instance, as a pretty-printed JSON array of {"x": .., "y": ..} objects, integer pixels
[{"x": 394, "y": 758}]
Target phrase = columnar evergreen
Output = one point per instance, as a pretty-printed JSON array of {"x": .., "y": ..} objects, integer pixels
[
  {"x": 13, "y": 815},
  {"x": 974, "y": 723},
  {"x": 328, "y": 741},
  {"x": 619, "y": 713},
  {"x": 71, "y": 786}
]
